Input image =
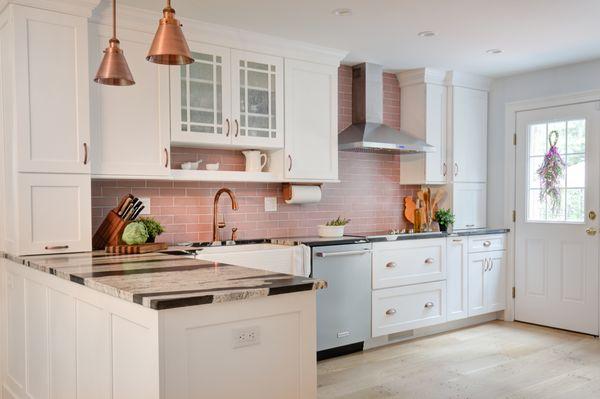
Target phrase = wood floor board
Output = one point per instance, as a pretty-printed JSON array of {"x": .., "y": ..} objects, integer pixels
[{"x": 494, "y": 360}]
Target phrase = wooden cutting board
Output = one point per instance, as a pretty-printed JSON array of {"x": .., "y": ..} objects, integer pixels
[
  {"x": 137, "y": 249},
  {"x": 409, "y": 209}
]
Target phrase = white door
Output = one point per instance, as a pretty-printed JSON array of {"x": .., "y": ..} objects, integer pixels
[
  {"x": 201, "y": 98},
  {"x": 556, "y": 258},
  {"x": 310, "y": 121},
  {"x": 257, "y": 100},
  {"x": 130, "y": 125},
  {"x": 456, "y": 277}
]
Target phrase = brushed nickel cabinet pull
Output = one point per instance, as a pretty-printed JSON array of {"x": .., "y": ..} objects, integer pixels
[
  {"x": 166, "y": 158},
  {"x": 445, "y": 169},
  {"x": 290, "y": 167},
  {"x": 457, "y": 240},
  {"x": 391, "y": 312},
  {"x": 50, "y": 248},
  {"x": 429, "y": 261},
  {"x": 85, "y": 153},
  {"x": 455, "y": 169},
  {"x": 487, "y": 243},
  {"x": 391, "y": 265},
  {"x": 429, "y": 305},
  {"x": 237, "y": 128},
  {"x": 228, "y": 127}
]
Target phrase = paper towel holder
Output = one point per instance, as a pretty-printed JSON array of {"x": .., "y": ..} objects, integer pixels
[{"x": 287, "y": 189}]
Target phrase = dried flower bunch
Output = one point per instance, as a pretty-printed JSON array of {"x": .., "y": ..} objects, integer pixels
[{"x": 550, "y": 172}]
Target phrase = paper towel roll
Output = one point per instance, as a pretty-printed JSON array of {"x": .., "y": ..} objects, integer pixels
[{"x": 304, "y": 194}]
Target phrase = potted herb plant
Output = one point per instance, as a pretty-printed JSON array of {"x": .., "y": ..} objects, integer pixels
[
  {"x": 445, "y": 218},
  {"x": 333, "y": 228},
  {"x": 153, "y": 227}
]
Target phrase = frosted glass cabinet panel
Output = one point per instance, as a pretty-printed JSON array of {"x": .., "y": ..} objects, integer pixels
[{"x": 200, "y": 97}]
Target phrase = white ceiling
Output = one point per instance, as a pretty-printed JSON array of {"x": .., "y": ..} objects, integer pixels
[{"x": 534, "y": 34}]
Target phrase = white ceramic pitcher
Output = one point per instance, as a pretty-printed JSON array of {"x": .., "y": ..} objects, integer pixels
[{"x": 255, "y": 160}]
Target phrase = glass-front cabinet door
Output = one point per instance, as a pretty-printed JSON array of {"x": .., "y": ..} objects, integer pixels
[
  {"x": 201, "y": 98},
  {"x": 257, "y": 100}
]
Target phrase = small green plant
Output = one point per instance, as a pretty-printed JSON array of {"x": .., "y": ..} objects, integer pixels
[
  {"x": 338, "y": 222},
  {"x": 153, "y": 227},
  {"x": 444, "y": 217}
]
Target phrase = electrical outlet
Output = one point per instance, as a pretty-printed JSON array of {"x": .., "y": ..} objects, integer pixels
[
  {"x": 146, "y": 203},
  {"x": 270, "y": 204},
  {"x": 246, "y": 336}
]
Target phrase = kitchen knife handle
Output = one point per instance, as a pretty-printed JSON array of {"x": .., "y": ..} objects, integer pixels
[
  {"x": 85, "y": 153},
  {"x": 166, "y": 158}
]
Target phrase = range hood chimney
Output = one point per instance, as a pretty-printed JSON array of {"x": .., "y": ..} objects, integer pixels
[{"x": 367, "y": 132}]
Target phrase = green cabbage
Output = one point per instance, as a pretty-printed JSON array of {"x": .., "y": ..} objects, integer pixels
[{"x": 135, "y": 233}]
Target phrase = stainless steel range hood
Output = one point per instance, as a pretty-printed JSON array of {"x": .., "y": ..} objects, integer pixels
[{"x": 367, "y": 132}]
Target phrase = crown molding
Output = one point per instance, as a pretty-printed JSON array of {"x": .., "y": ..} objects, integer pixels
[
  {"x": 462, "y": 79},
  {"x": 204, "y": 32},
  {"x": 420, "y": 76},
  {"x": 82, "y": 8}
]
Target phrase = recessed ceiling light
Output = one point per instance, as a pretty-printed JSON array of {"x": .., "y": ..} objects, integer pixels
[
  {"x": 342, "y": 12},
  {"x": 495, "y": 51},
  {"x": 427, "y": 33}
]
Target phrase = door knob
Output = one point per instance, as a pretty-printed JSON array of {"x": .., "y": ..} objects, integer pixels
[{"x": 591, "y": 231}]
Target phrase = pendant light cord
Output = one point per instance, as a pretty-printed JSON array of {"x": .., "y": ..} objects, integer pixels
[{"x": 114, "y": 12}]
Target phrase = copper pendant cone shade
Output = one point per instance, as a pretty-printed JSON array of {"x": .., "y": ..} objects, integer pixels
[
  {"x": 114, "y": 70},
  {"x": 169, "y": 46}
]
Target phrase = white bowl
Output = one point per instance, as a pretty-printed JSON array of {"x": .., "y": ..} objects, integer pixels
[
  {"x": 331, "y": 231},
  {"x": 190, "y": 165},
  {"x": 212, "y": 166}
]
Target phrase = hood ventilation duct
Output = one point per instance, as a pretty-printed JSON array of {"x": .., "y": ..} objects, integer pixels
[{"x": 367, "y": 132}]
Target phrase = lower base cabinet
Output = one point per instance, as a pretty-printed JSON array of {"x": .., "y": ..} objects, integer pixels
[
  {"x": 406, "y": 308},
  {"x": 487, "y": 282},
  {"x": 457, "y": 297}
]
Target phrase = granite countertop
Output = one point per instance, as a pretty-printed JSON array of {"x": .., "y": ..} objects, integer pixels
[{"x": 163, "y": 281}]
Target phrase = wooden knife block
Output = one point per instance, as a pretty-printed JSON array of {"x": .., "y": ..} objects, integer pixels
[{"x": 109, "y": 232}]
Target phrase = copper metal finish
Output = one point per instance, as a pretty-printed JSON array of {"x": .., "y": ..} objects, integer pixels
[
  {"x": 113, "y": 69},
  {"x": 169, "y": 46},
  {"x": 234, "y": 206}
]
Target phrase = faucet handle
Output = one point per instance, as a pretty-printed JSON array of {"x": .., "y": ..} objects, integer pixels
[{"x": 221, "y": 225}]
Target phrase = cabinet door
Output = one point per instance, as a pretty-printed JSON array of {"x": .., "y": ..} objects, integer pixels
[
  {"x": 456, "y": 278},
  {"x": 476, "y": 285},
  {"x": 54, "y": 213},
  {"x": 469, "y": 201},
  {"x": 310, "y": 121},
  {"x": 257, "y": 100},
  {"x": 130, "y": 125},
  {"x": 495, "y": 282},
  {"x": 469, "y": 130},
  {"x": 436, "y": 121},
  {"x": 201, "y": 98},
  {"x": 52, "y": 91}
]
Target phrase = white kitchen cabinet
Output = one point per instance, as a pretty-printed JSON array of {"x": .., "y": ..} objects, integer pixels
[
  {"x": 311, "y": 107},
  {"x": 423, "y": 114},
  {"x": 487, "y": 282},
  {"x": 54, "y": 213},
  {"x": 469, "y": 202},
  {"x": 130, "y": 125},
  {"x": 51, "y": 91},
  {"x": 468, "y": 130},
  {"x": 457, "y": 294}
]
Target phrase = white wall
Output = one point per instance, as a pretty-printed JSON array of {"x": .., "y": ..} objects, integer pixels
[{"x": 544, "y": 83}]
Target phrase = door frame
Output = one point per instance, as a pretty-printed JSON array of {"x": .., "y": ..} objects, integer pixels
[{"x": 512, "y": 108}]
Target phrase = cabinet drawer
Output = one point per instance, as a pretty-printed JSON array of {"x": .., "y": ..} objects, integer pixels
[
  {"x": 408, "y": 262},
  {"x": 496, "y": 242},
  {"x": 406, "y": 308}
]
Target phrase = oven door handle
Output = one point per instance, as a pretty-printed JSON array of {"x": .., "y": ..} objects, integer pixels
[{"x": 343, "y": 253}]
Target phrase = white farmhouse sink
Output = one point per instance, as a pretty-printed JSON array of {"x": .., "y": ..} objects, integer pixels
[{"x": 241, "y": 248}]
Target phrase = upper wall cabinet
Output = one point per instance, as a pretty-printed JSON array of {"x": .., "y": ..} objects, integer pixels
[
  {"x": 130, "y": 124},
  {"x": 310, "y": 121},
  {"x": 228, "y": 98},
  {"x": 51, "y": 91}
]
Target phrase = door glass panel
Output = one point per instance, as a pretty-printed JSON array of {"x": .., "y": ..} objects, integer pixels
[
  {"x": 571, "y": 185},
  {"x": 257, "y": 100},
  {"x": 202, "y": 95}
]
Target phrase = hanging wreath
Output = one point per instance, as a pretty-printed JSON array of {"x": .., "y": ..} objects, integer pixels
[{"x": 550, "y": 173}]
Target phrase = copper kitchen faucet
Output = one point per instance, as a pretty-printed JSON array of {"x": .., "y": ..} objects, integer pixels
[{"x": 234, "y": 206}]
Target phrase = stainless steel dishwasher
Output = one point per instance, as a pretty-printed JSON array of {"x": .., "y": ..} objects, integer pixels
[{"x": 344, "y": 307}]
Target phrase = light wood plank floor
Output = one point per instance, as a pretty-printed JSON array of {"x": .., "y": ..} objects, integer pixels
[{"x": 493, "y": 360}]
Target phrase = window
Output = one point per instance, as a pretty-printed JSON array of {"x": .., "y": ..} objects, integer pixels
[{"x": 571, "y": 147}]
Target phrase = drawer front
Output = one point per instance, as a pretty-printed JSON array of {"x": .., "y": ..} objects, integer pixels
[
  {"x": 406, "y": 308},
  {"x": 410, "y": 262},
  {"x": 495, "y": 242}
]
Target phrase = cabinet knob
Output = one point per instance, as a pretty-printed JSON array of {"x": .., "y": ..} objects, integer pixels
[
  {"x": 429, "y": 305},
  {"x": 429, "y": 261},
  {"x": 391, "y": 312},
  {"x": 391, "y": 265},
  {"x": 487, "y": 243}
]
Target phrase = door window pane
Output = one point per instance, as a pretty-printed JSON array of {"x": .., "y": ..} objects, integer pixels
[{"x": 571, "y": 147}]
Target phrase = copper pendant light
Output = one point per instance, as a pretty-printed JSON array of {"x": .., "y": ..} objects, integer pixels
[
  {"x": 169, "y": 46},
  {"x": 113, "y": 69}
]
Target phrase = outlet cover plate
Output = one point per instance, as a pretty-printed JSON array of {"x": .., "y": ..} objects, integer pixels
[
  {"x": 147, "y": 204},
  {"x": 246, "y": 336},
  {"x": 270, "y": 204}
]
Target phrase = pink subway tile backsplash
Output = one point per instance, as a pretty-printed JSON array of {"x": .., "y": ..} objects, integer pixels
[{"x": 369, "y": 192}]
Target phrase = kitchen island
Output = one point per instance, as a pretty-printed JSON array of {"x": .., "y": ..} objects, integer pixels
[{"x": 98, "y": 325}]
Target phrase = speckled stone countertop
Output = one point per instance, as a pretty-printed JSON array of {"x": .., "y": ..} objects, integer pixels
[{"x": 162, "y": 281}]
